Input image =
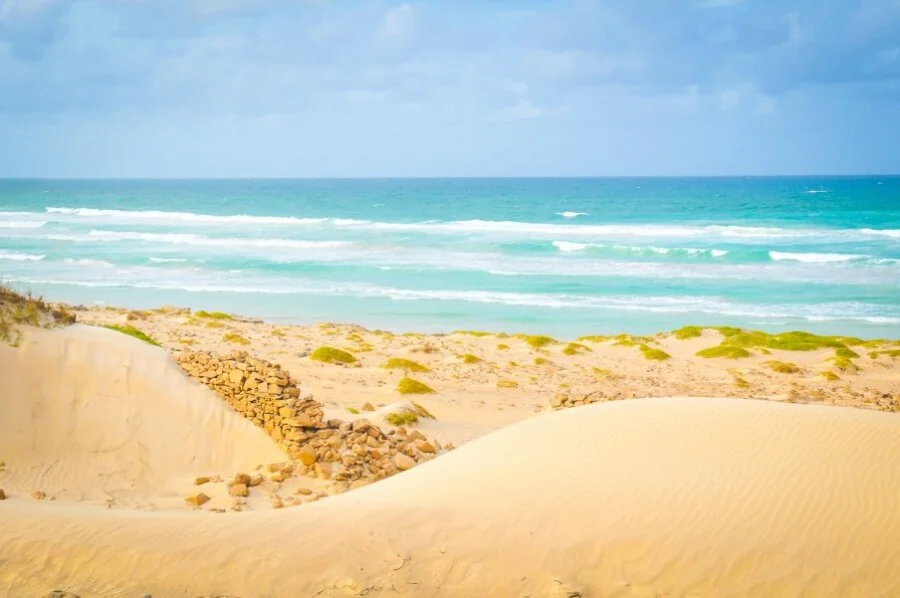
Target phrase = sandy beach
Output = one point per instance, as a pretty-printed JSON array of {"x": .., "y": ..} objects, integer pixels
[{"x": 220, "y": 455}]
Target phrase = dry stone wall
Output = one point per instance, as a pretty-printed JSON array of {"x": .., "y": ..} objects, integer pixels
[{"x": 349, "y": 453}]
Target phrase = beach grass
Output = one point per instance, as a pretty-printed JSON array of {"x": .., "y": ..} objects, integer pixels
[
  {"x": 724, "y": 351},
  {"x": 654, "y": 354},
  {"x": 536, "y": 341},
  {"x": 411, "y": 386},
  {"x": 401, "y": 418},
  {"x": 235, "y": 339},
  {"x": 332, "y": 355},
  {"x": 783, "y": 367},
  {"x": 133, "y": 332},
  {"x": 213, "y": 315},
  {"x": 686, "y": 332},
  {"x": 507, "y": 384},
  {"x": 399, "y": 363},
  {"x": 470, "y": 359},
  {"x": 576, "y": 349}
]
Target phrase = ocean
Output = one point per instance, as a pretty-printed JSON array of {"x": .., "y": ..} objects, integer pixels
[{"x": 560, "y": 256}]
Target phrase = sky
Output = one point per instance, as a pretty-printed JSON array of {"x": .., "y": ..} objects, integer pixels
[{"x": 318, "y": 88}]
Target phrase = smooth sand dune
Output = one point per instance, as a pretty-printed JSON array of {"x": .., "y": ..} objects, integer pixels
[
  {"x": 88, "y": 414},
  {"x": 654, "y": 497}
]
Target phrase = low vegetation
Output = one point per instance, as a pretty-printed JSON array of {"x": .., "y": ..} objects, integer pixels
[
  {"x": 353, "y": 410},
  {"x": 133, "y": 332},
  {"x": 399, "y": 363},
  {"x": 332, "y": 355},
  {"x": 411, "y": 386},
  {"x": 892, "y": 353},
  {"x": 278, "y": 333},
  {"x": 213, "y": 315},
  {"x": 477, "y": 333},
  {"x": 654, "y": 354},
  {"x": 236, "y": 339},
  {"x": 594, "y": 338},
  {"x": 739, "y": 380},
  {"x": 536, "y": 341},
  {"x": 724, "y": 352},
  {"x": 469, "y": 358},
  {"x": 687, "y": 332},
  {"x": 783, "y": 367},
  {"x": 604, "y": 373},
  {"x": 541, "y": 361},
  {"x": 401, "y": 418},
  {"x": 502, "y": 347},
  {"x": 829, "y": 375},
  {"x": 17, "y": 308},
  {"x": 576, "y": 349},
  {"x": 422, "y": 412},
  {"x": 507, "y": 384}
]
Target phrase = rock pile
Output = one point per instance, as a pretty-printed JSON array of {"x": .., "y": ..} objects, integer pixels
[
  {"x": 351, "y": 454},
  {"x": 566, "y": 400}
]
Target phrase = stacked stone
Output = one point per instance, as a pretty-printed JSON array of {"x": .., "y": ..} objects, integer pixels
[
  {"x": 350, "y": 453},
  {"x": 567, "y": 400}
]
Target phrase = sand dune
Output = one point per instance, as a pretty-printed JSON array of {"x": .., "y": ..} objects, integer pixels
[
  {"x": 91, "y": 414},
  {"x": 702, "y": 497}
]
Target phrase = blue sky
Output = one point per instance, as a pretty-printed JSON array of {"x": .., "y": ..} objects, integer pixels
[{"x": 317, "y": 88}]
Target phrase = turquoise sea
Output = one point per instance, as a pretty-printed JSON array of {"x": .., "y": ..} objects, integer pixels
[{"x": 559, "y": 256}]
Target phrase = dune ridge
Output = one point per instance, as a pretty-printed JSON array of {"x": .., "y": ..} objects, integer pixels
[{"x": 666, "y": 496}]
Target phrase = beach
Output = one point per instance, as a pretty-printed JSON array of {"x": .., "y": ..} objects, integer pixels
[{"x": 175, "y": 452}]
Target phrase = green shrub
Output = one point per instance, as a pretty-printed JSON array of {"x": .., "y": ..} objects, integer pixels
[
  {"x": 724, "y": 351},
  {"x": 332, "y": 355},
  {"x": 213, "y": 315},
  {"x": 132, "y": 331},
  {"x": 401, "y": 418},
  {"x": 398, "y": 363},
  {"x": 237, "y": 339},
  {"x": 687, "y": 332},
  {"x": 654, "y": 354},
  {"x": 783, "y": 367},
  {"x": 537, "y": 341},
  {"x": 409, "y": 386}
]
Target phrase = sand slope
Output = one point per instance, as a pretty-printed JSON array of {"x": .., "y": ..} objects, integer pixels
[
  {"x": 88, "y": 413},
  {"x": 655, "y": 497}
]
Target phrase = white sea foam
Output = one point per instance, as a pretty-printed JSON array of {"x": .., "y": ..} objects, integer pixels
[
  {"x": 813, "y": 258},
  {"x": 198, "y": 240},
  {"x": 568, "y": 246},
  {"x": 183, "y": 217},
  {"x": 16, "y": 256},
  {"x": 25, "y": 224},
  {"x": 572, "y": 214},
  {"x": 167, "y": 260},
  {"x": 88, "y": 262},
  {"x": 718, "y": 252},
  {"x": 886, "y": 232}
]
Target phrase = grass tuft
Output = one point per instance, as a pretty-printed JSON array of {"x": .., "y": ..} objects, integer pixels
[
  {"x": 332, "y": 355},
  {"x": 724, "y": 351},
  {"x": 576, "y": 349},
  {"x": 134, "y": 332},
  {"x": 595, "y": 338},
  {"x": 477, "y": 333},
  {"x": 829, "y": 375},
  {"x": 213, "y": 315},
  {"x": 237, "y": 339},
  {"x": 422, "y": 412},
  {"x": 537, "y": 341},
  {"x": 410, "y": 386},
  {"x": 401, "y": 418},
  {"x": 353, "y": 410},
  {"x": 541, "y": 361},
  {"x": 783, "y": 367},
  {"x": 507, "y": 384},
  {"x": 398, "y": 363},
  {"x": 469, "y": 358},
  {"x": 687, "y": 332},
  {"x": 502, "y": 347},
  {"x": 654, "y": 354}
]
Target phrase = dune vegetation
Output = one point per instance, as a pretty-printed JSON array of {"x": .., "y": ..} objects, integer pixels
[
  {"x": 133, "y": 332},
  {"x": 411, "y": 386},
  {"x": 332, "y": 355},
  {"x": 399, "y": 363}
]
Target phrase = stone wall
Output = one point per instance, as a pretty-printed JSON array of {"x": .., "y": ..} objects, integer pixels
[{"x": 349, "y": 453}]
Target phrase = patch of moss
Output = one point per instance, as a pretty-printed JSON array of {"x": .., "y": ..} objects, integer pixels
[
  {"x": 237, "y": 339},
  {"x": 332, "y": 355},
  {"x": 576, "y": 348},
  {"x": 132, "y": 331},
  {"x": 401, "y": 418},
  {"x": 213, "y": 315},
  {"x": 724, "y": 351},
  {"x": 398, "y": 363},
  {"x": 469, "y": 358},
  {"x": 410, "y": 386},
  {"x": 783, "y": 367},
  {"x": 829, "y": 375},
  {"x": 654, "y": 354},
  {"x": 537, "y": 341},
  {"x": 687, "y": 332},
  {"x": 507, "y": 384},
  {"x": 502, "y": 347}
]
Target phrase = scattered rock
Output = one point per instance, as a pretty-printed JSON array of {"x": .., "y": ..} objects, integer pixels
[
  {"x": 197, "y": 500},
  {"x": 305, "y": 491},
  {"x": 238, "y": 490},
  {"x": 255, "y": 480},
  {"x": 39, "y": 495},
  {"x": 425, "y": 446},
  {"x": 241, "y": 479},
  {"x": 61, "y": 594},
  {"x": 368, "y": 407},
  {"x": 199, "y": 481},
  {"x": 2, "y": 494},
  {"x": 403, "y": 462}
]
